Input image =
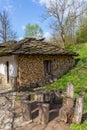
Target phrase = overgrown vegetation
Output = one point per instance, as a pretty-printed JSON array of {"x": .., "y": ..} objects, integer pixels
[
  {"x": 81, "y": 34},
  {"x": 78, "y": 76},
  {"x": 33, "y": 30},
  {"x": 65, "y": 18}
]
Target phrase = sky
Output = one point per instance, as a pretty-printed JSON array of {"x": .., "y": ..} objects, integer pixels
[{"x": 22, "y": 12}]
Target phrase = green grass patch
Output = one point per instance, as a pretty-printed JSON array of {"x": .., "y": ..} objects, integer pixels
[{"x": 83, "y": 126}]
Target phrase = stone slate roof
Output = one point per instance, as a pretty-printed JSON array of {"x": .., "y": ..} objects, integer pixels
[{"x": 32, "y": 46}]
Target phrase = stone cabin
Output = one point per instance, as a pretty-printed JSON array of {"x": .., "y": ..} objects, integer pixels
[{"x": 32, "y": 62}]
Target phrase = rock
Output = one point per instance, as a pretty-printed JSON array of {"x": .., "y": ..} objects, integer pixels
[
  {"x": 18, "y": 122},
  {"x": 39, "y": 83},
  {"x": 8, "y": 126},
  {"x": 54, "y": 79},
  {"x": 50, "y": 81},
  {"x": 6, "y": 111}
]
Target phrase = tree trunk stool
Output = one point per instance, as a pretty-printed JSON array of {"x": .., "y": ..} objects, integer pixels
[
  {"x": 26, "y": 110},
  {"x": 43, "y": 113}
]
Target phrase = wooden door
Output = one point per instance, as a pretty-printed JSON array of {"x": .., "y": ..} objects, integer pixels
[{"x": 7, "y": 68}]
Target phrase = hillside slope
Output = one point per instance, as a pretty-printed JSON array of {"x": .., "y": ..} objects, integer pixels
[{"x": 78, "y": 76}]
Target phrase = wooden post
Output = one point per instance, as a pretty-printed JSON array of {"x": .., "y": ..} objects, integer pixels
[
  {"x": 44, "y": 113},
  {"x": 65, "y": 110},
  {"x": 70, "y": 90},
  {"x": 79, "y": 109},
  {"x": 26, "y": 110},
  {"x": 39, "y": 96}
]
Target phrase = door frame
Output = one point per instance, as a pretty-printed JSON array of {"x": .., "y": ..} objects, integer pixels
[{"x": 7, "y": 71}]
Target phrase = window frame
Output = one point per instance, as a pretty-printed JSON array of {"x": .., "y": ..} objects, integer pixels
[{"x": 48, "y": 67}]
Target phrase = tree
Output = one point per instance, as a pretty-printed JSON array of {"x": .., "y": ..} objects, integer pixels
[
  {"x": 33, "y": 30},
  {"x": 6, "y": 33},
  {"x": 64, "y": 15},
  {"x": 82, "y": 32}
]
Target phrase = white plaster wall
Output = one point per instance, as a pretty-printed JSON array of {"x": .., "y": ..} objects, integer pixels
[{"x": 12, "y": 65}]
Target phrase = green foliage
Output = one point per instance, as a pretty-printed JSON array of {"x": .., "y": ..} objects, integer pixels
[
  {"x": 83, "y": 126},
  {"x": 82, "y": 32},
  {"x": 78, "y": 76},
  {"x": 33, "y": 30}
]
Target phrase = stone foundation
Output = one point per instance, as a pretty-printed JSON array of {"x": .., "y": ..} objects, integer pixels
[{"x": 7, "y": 111}]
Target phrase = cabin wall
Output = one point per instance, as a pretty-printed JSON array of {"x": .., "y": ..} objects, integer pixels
[
  {"x": 12, "y": 61},
  {"x": 31, "y": 69}
]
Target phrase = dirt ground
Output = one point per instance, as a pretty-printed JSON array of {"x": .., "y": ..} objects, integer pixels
[{"x": 53, "y": 124}]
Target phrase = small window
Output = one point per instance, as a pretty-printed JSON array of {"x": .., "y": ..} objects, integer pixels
[{"x": 47, "y": 66}]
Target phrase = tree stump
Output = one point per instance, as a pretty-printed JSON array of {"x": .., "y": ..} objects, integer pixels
[
  {"x": 43, "y": 113},
  {"x": 79, "y": 109},
  {"x": 65, "y": 110},
  {"x": 70, "y": 90},
  {"x": 26, "y": 110}
]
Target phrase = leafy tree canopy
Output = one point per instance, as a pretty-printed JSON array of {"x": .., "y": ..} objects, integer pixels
[
  {"x": 82, "y": 32},
  {"x": 33, "y": 30}
]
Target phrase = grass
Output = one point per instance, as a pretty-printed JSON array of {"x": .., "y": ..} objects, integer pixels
[{"x": 78, "y": 76}]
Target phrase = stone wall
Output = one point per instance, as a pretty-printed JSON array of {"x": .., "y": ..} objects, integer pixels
[
  {"x": 7, "y": 110},
  {"x": 31, "y": 69}
]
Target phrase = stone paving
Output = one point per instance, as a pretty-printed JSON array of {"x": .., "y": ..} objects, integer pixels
[
  {"x": 7, "y": 121},
  {"x": 6, "y": 110}
]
